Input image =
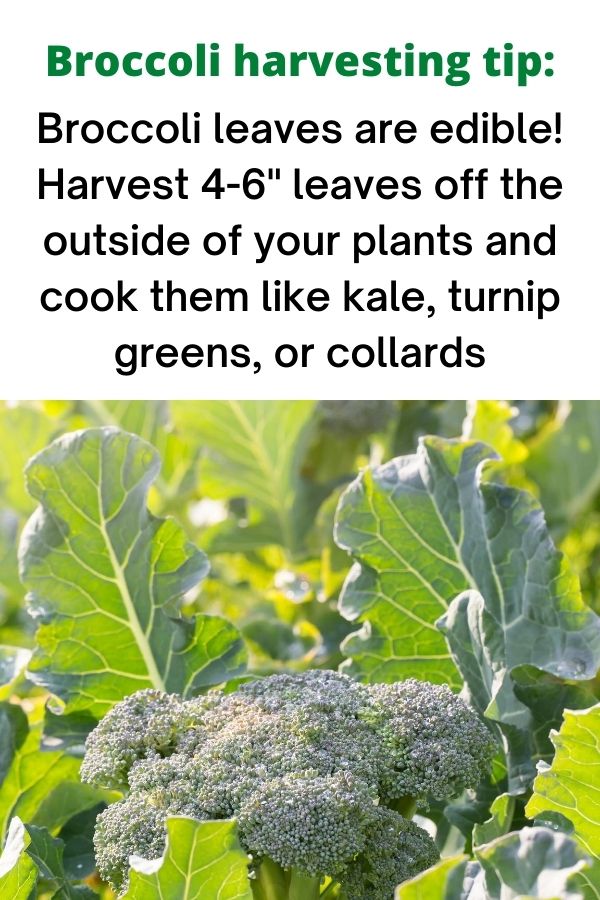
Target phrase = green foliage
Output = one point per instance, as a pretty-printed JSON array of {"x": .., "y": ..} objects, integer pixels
[
  {"x": 40, "y": 787},
  {"x": 427, "y": 527},
  {"x": 455, "y": 519},
  {"x": 531, "y": 863},
  {"x": 565, "y": 461},
  {"x": 201, "y": 859},
  {"x": 105, "y": 578},
  {"x": 443, "y": 881},
  {"x": 254, "y": 449},
  {"x": 488, "y": 421},
  {"x": 571, "y": 785},
  {"x": 33, "y": 857},
  {"x": 18, "y": 872}
]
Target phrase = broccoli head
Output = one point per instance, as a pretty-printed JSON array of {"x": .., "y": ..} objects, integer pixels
[{"x": 314, "y": 766}]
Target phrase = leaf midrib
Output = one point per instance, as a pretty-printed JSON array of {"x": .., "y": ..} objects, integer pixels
[{"x": 121, "y": 582}]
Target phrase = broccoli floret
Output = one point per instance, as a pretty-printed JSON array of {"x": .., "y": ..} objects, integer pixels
[
  {"x": 350, "y": 418},
  {"x": 310, "y": 765},
  {"x": 313, "y": 824},
  {"x": 395, "y": 850},
  {"x": 144, "y": 723},
  {"x": 435, "y": 746},
  {"x": 132, "y": 827}
]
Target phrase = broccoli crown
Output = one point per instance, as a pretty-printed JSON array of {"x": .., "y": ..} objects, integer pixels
[
  {"x": 395, "y": 850},
  {"x": 348, "y": 418},
  {"x": 306, "y": 762}
]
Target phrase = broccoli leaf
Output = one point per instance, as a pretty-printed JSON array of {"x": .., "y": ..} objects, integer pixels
[
  {"x": 78, "y": 837},
  {"x": 150, "y": 420},
  {"x": 534, "y": 862},
  {"x": 24, "y": 431},
  {"x": 105, "y": 578},
  {"x": 424, "y": 528},
  {"x": 255, "y": 450},
  {"x": 38, "y": 787},
  {"x": 47, "y": 854},
  {"x": 547, "y": 697},
  {"x": 565, "y": 461},
  {"x": 570, "y": 786},
  {"x": 201, "y": 859},
  {"x": 445, "y": 881},
  {"x": 499, "y": 823},
  {"x": 18, "y": 872},
  {"x": 33, "y": 857},
  {"x": 13, "y": 732},
  {"x": 478, "y": 647}
]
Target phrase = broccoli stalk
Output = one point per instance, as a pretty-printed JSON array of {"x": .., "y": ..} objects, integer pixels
[
  {"x": 274, "y": 883},
  {"x": 322, "y": 774},
  {"x": 304, "y": 887}
]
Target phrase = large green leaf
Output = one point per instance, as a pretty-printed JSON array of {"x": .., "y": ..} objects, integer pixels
[
  {"x": 34, "y": 782},
  {"x": 255, "y": 451},
  {"x": 201, "y": 859},
  {"x": 18, "y": 872},
  {"x": 33, "y": 857},
  {"x": 531, "y": 863},
  {"x": 524, "y": 701},
  {"x": 571, "y": 785},
  {"x": 425, "y": 528},
  {"x": 105, "y": 578},
  {"x": 565, "y": 461}
]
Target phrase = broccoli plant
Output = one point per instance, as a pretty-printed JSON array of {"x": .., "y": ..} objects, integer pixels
[
  {"x": 211, "y": 782},
  {"x": 321, "y": 772}
]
